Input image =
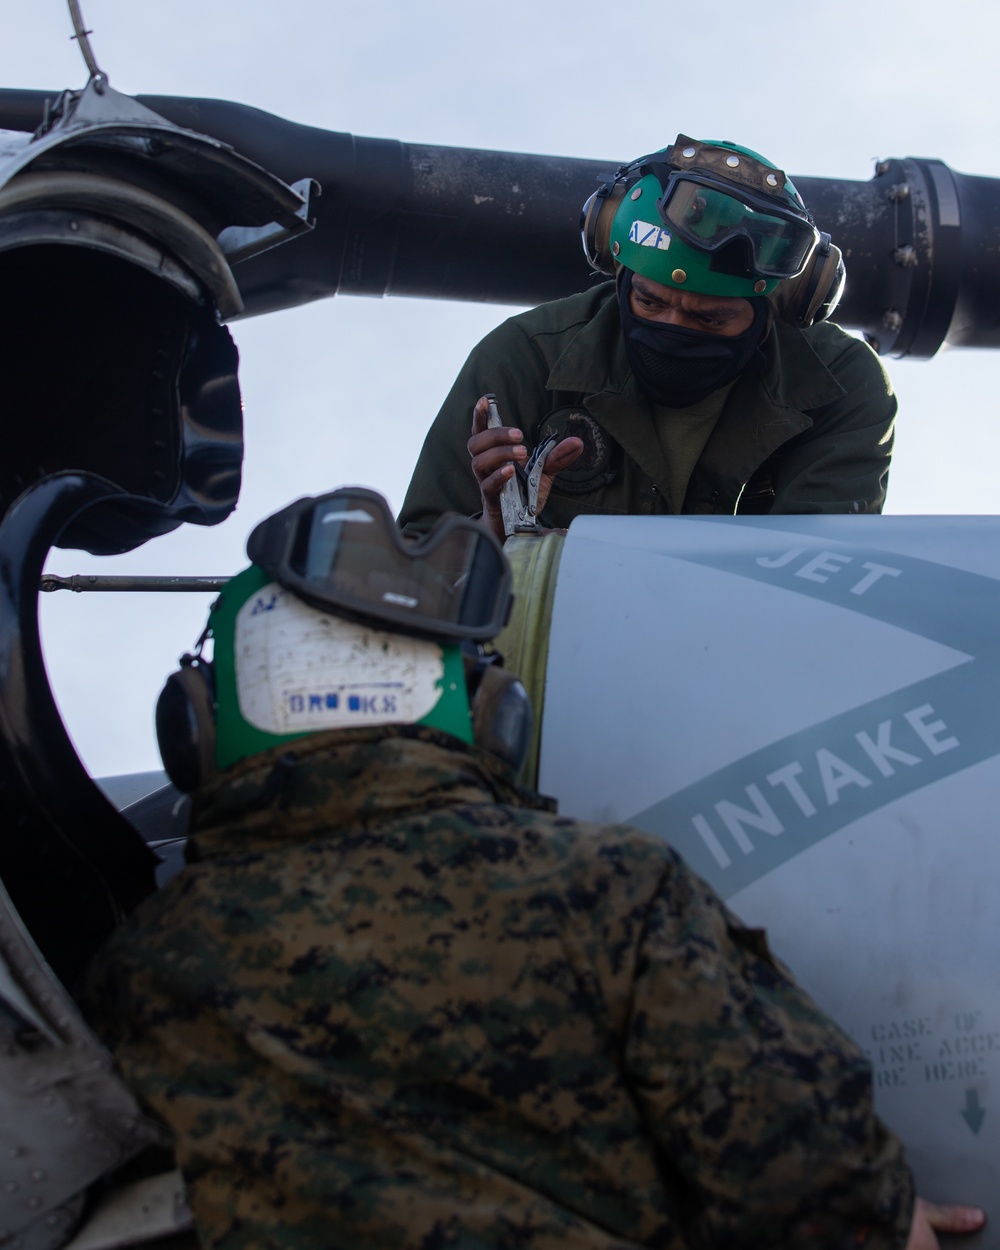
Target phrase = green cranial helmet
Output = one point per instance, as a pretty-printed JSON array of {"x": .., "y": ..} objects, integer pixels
[
  {"x": 285, "y": 669},
  {"x": 711, "y": 217},
  {"x": 342, "y": 623}
]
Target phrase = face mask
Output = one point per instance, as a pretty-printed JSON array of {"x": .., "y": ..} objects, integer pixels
[{"x": 678, "y": 367}]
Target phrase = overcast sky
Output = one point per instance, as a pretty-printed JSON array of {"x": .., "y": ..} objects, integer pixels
[{"x": 821, "y": 89}]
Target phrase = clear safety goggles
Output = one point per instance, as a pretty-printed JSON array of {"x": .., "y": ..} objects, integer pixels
[
  {"x": 708, "y": 214},
  {"x": 344, "y": 553}
]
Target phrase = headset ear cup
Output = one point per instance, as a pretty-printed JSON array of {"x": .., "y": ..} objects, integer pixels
[
  {"x": 816, "y": 292},
  {"x": 185, "y": 725},
  {"x": 596, "y": 217},
  {"x": 829, "y": 285},
  {"x": 501, "y": 716}
]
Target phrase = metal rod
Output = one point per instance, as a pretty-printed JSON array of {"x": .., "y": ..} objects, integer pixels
[
  {"x": 92, "y": 581},
  {"x": 81, "y": 37}
]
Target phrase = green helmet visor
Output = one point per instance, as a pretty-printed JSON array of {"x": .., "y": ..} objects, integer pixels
[
  {"x": 710, "y": 214},
  {"x": 343, "y": 553}
]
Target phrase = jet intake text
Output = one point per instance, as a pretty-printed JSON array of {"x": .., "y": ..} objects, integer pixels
[{"x": 799, "y": 789}]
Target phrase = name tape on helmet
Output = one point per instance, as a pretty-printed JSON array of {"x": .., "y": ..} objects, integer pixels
[
  {"x": 646, "y": 234},
  {"x": 300, "y": 671}
]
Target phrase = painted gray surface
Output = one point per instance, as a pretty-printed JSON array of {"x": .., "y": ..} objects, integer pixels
[
  {"x": 127, "y": 788},
  {"x": 808, "y": 708}
]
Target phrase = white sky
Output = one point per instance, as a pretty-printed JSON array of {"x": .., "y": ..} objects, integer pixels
[{"x": 343, "y": 391}]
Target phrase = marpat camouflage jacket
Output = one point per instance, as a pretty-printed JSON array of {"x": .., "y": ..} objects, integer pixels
[{"x": 394, "y": 1001}]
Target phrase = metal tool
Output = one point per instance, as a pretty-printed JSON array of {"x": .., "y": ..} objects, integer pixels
[{"x": 519, "y": 496}]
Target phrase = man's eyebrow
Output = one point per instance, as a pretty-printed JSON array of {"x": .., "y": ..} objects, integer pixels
[
  {"x": 646, "y": 293},
  {"x": 711, "y": 314},
  {"x": 715, "y": 312}
]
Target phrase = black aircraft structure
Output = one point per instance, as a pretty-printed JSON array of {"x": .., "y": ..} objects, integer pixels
[{"x": 162, "y": 218}]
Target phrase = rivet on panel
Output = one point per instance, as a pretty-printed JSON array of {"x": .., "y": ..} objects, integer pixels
[
  {"x": 771, "y": 180},
  {"x": 732, "y": 161},
  {"x": 679, "y": 275},
  {"x": 636, "y": 193},
  {"x": 688, "y": 152},
  {"x": 759, "y": 286}
]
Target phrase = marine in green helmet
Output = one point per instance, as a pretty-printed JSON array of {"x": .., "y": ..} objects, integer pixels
[
  {"x": 395, "y": 1001},
  {"x": 704, "y": 378}
]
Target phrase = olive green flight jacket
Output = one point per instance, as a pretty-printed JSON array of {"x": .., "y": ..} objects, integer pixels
[
  {"x": 809, "y": 432},
  {"x": 395, "y": 1001}
]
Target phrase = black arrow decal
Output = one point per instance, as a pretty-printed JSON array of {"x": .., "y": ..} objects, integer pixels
[{"x": 973, "y": 1114}]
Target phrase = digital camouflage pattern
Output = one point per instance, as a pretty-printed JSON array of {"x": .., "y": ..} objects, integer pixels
[{"x": 396, "y": 1002}]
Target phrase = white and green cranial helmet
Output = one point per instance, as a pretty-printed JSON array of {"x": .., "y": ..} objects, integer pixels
[
  {"x": 711, "y": 217},
  {"x": 341, "y": 622}
]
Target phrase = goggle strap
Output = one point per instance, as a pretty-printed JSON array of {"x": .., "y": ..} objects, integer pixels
[{"x": 486, "y": 598}]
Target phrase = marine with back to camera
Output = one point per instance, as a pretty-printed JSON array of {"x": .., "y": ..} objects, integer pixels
[{"x": 395, "y": 1000}]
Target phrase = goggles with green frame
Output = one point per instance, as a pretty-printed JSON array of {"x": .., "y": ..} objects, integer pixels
[
  {"x": 708, "y": 214},
  {"x": 343, "y": 553}
]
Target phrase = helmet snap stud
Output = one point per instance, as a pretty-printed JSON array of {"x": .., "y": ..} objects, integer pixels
[
  {"x": 688, "y": 152},
  {"x": 636, "y": 193},
  {"x": 732, "y": 161},
  {"x": 615, "y": 248},
  {"x": 759, "y": 286},
  {"x": 771, "y": 180},
  {"x": 679, "y": 275}
]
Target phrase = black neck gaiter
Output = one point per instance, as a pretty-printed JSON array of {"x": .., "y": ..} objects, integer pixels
[{"x": 678, "y": 367}]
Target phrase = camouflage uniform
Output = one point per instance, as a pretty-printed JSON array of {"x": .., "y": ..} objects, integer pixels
[{"x": 395, "y": 1001}]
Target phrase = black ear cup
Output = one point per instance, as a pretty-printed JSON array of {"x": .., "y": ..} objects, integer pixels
[
  {"x": 501, "y": 716},
  {"x": 596, "y": 217},
  {"x": 816, "y": 292},
  {"x": 185, "y": 724}
]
